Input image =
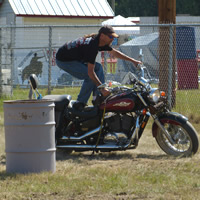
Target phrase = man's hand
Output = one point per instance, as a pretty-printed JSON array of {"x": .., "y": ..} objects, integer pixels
[
  {"x": 105, "y": 92},
  {"x": 139, "y": 65}
]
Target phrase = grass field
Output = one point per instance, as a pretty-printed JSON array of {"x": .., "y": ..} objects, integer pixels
[{"x": 143, "y": 173}]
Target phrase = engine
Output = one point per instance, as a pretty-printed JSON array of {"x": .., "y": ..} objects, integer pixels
[{"x": 118, "y": 128}]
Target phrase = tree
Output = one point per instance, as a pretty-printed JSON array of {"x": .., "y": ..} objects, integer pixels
[{"x": 131, "y": 8}]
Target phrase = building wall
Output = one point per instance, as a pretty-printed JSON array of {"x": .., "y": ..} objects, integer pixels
[
  {"x": 20, "y": 45},
  {"x": 7, "y": 16},
  {"x": 5, "y": 8},
  {"x": 61, "y": 35},
  {"x": 182, "y": 19},
  {"x": 60, "y": 21}
]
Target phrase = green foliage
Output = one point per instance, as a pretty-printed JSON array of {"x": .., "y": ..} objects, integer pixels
[
  {"x": 130, "y": 8},
  {"x": 191, "y": 7}
]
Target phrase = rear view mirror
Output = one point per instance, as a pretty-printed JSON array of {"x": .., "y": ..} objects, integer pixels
[{"x": 33, "y": 81}]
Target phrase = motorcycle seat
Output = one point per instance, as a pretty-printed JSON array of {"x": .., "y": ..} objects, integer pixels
[{"x": 60, "y": 101}]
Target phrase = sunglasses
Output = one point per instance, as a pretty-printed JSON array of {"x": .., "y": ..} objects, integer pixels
[{"x": 110, "y": 36}]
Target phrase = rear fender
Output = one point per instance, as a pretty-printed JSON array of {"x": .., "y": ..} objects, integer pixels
[{"x": 170, "y": 117}]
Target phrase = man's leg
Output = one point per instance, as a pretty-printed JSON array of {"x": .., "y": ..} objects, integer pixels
[{"x": 80, "y": 71}]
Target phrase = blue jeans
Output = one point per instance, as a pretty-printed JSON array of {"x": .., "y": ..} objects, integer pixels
[{"x": 80, "y": 71}]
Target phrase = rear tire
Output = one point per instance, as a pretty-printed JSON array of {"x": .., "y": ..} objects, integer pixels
[{"x": 184, "y": 136}]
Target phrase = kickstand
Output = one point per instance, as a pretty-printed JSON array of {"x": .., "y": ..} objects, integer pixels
[{"x": 94, "y": 151}]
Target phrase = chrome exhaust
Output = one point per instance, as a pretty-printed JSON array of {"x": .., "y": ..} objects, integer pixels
[
  {"x": 115, "y": 147},
  {"x": 82, "y": 137}
]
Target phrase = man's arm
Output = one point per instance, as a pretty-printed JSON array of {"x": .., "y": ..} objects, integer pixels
[
  {"x": 120, "y": 55},
  {"x": 92, "y": 74},
  {"x": 95, "y": 79}
]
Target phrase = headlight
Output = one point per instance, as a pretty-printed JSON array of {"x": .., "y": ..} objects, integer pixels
[{"x": 154, "y": 95}]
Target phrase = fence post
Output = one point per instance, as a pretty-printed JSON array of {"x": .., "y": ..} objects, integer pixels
[
  {"x": 12, "y": 68},
  {"x": 50, "y": 60},
  {"x": 170, "y": 66},
  {"x": 0, "y": 64},
  {"x": 167, "y": 58}
]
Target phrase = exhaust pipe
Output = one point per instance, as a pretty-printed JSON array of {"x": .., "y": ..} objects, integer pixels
[
  {"x": 91, "y": 147},
  {"x": 82, "y": 137}
]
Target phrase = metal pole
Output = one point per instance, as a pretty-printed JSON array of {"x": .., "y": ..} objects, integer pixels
[
  {"x": 50, "y": 60},
  {"x": 170, "y": 67},
  {"x": 0, "y": 64},
  {"x": 12, "y": 68}
]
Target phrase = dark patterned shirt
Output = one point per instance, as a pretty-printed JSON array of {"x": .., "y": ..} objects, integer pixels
[{"x": 82, "y": 49}]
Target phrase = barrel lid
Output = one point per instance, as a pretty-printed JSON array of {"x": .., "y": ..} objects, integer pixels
[{"x": 27, "y": 101}]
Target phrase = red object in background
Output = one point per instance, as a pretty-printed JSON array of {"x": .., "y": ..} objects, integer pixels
[
  {"x": 187, "y": 74},
  {"x": 198, "y": 57},
  {"x": 53, "y": 59},
  {"x": 112, "y": 64}
]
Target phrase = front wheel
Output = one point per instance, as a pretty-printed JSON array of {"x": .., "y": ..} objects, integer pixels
[{"x": 183, "y": 134}]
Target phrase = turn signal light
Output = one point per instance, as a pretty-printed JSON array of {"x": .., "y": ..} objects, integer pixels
[
  {"x": 143, "y": 124},
  {"x": 144, "y": 111},
  {"x": 162, "y": 94}
]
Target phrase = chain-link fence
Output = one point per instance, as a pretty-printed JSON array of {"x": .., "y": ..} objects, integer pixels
[{"x": 171, "y": 54}]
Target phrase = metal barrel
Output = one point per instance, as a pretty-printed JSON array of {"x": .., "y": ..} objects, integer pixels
[{"x": 29, "y": 136}]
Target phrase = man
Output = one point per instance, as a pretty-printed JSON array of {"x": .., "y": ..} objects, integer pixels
[{"x": 77, "y": 57}]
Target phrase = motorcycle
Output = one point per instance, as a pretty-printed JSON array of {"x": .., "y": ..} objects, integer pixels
[{"x": 117, "y": 122}]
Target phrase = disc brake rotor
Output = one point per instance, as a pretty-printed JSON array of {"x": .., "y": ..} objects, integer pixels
[{"x": 180, "y": 137}]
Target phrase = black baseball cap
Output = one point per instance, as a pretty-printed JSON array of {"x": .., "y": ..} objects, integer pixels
[{"x": 108, "y": 30}]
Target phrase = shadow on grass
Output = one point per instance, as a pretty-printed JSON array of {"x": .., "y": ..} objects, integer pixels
[
  {"x": 2, "y": 159},
  {"x": 4, "y": 175},
  {"x": 77, "y": 157},
  {"x": 80, "y": 157},
  {"x": 154, "y": 157}
]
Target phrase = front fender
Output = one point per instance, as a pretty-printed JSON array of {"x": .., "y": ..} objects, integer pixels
[{"x": 169, "y": 117}]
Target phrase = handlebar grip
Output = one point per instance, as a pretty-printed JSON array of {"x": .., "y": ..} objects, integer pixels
[{"x": 139, "y": 66}]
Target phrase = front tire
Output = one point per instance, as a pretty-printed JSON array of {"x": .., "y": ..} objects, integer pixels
[{"x": 184, "y": 135}]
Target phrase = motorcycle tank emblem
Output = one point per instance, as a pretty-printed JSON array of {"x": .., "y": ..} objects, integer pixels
[{"x": 122, "y": 104}]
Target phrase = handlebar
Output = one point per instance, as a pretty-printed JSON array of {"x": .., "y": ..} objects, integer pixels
[
  {"x": 136, "y": 81},
  {"x": 141, "y": 67}
]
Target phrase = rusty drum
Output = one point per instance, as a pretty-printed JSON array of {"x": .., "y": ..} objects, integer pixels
[{"x": 29, "y": 136}]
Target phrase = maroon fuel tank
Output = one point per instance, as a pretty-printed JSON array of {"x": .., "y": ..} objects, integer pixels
[{"x": 121, "y": 102}]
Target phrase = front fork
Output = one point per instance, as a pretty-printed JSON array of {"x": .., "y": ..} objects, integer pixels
[
  {"x": 166, "y": 133},
  {"x": 168, "y": 136}
]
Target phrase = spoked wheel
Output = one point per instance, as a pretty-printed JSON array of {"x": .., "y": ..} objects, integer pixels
[{"x": 184, "y": 136}]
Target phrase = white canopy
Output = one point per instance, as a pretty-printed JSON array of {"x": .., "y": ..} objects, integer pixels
[{"x": 126, "y": 26}]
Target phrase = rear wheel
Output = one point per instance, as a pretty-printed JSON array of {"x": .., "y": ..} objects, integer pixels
[{"x": 185, "y": 138}]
